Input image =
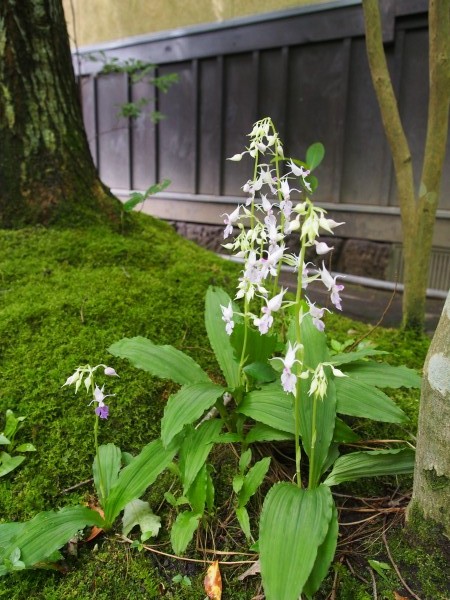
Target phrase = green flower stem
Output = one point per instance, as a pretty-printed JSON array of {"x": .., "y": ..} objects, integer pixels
[
  {"x": 313, "y": 444},
  {"x": 298, "y": 339},
  {"x": 244, "y": 343},
  {"x": 97, "y": 453}
]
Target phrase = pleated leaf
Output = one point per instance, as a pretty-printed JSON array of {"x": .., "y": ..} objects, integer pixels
[
  {"x": 343, "y": 434},
  {"x": 137, "y": 512},
  {"x": 195, "y": 449},
  {"x": 252, "y": 480},
  {"x": 294, "y": 523},
  {"x": 383, "y": 375},
  {"x": 325, "y": 556},
  {"x": 165, "y": 362},
  {"x": 186, "y": 406},
  {"x": 270, "y": 405},
  {"x": 110, "y": 462},
  {"x": 197, "y": 492},
  {"x": 135, "y": 478},
  {"x": 244, "y": 521},
  {"x": 349, "y": 357},
  {"x": 218, "y": 337},
  {"x": 371, "y": 464},
  {"x": 8, "y": 463},
  {"x": 358, "y": 399},
  {"x": 39, "y": 538},
  {"x": 264, "y": 433},
  {"x": 182, "y": 530}
]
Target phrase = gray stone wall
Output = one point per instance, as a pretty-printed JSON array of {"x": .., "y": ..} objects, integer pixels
[{"x": 350, "y": 256}]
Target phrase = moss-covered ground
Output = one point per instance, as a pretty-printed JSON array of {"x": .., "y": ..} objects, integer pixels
[{"x": 65, "y": 296}]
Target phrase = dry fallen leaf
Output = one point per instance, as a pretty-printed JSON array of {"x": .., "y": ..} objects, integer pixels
[
  {"x": 398, "y": 597},
  {"x": 213, "y": 582},
  {"x": 253, "y": 570},
  {"x": 95, "y": 531}
]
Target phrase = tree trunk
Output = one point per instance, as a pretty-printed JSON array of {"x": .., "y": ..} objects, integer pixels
[
  {"x": 431, "y": 493},
  {"x": 46, "y": 171},
  {"x": 418, "y": 216}
]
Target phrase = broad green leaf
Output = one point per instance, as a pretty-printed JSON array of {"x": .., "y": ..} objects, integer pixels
[
  {"x": 349, "y": 357},
  {"x": 137, "y": 512},
  {"x": 270, "y": 405},
  {"x": 165, "y": 362},
  {"x": 229, "y": 438},
  {"x": 357, "y": 399},
  {"x": 371, "y": 464},
  {"x": 196, "y": 494},
  {"x": 325, "y": 555},
  {"x": 320, "y": 434},
  {"x": 383, "y": 375},
  {"x": 27, "y": 447},
  {"x": 264, "y": 433},
  {"x": 253, "y": 480},
  {"x": 4, "y": 440},
  {"x": 48, "y": 531},
  {"x": 261, "y": 372},
  {"x": 244, "y": 521},
  {"x": 186, "y": 406},
  {"x": 244, "y": 460},
  {"x": 9, "y": 463},
  {"x": 106, "y": 473},
  {"x": 12, "y": 424},
  {"x": 259, "y": 348},
  {"x": 182, "y": 530},
  {"x": 314, "y": 155},
  {"x": 8, "y": 531},
  {"x": 343, "y": 434},
  {"x": 135, "y": 478},
  {"x": 218, "y": 337},
  {"x": 195, "y": 449},
  {"x": 294, "y": 524},
  {"x": 238, "y": 482}
]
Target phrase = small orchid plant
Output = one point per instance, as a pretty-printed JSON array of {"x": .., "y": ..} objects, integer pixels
[{"x": 281, "y": 381}]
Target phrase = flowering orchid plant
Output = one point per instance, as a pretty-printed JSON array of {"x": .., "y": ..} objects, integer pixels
[{"x": 281, "y": 382}]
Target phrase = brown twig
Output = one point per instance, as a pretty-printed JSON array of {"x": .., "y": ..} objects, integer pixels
[
  {"x": 374, "y": 584},
  {"x": 378, "y": 323},
  {"x": 183, "y": 558},
  {"x": 76, "y": 486}
]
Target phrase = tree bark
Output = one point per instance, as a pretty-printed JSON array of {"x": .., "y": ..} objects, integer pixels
[
  {"x": 431, "y": 493},
  {"x": 417, "y": 216},
  {"x": 46, "y": 171}
]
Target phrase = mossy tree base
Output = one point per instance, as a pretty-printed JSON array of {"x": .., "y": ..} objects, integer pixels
[
  {"x": 46, "y": 171},
  {"x": 431, "y": 492}
]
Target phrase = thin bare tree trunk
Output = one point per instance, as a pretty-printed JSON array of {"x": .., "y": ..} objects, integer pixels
[{"x": 417, "y": 216}]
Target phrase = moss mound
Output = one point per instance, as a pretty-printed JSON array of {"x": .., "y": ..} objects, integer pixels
[{"x": 65, "y": 296}]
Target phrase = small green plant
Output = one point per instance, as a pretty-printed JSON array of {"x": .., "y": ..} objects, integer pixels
[
  {"x": 8, "y": 463},
  {"x": 137, "y": 70},
  {"x": 182, "y": 580}
]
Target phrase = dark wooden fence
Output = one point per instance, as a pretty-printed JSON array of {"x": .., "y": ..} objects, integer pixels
[{"x": 307, "y": 69}]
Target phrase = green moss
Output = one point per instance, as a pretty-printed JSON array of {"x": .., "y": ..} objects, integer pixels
[{"x": 65, "y": 296}]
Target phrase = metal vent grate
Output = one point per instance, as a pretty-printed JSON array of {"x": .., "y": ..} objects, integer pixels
[{"x": 439, "y": 275}]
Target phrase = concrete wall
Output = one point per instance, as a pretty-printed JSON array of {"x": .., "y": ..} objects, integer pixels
[{"x": 104, "y": 20}]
